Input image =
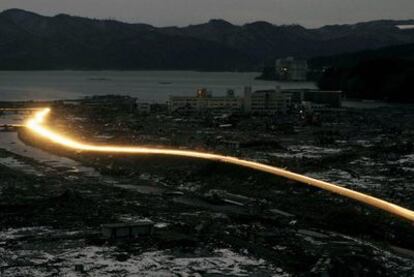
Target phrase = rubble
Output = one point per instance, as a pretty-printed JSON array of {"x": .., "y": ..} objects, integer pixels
[{"x": 210, "y": 218}]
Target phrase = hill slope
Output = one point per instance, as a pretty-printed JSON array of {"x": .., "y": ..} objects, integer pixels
[
  {"x": 384, "y": 74},
  {"x": 32, "y": 41}
]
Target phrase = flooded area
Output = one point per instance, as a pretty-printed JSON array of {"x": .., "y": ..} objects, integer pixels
[
  {"x": 10, "y": 142},
  {"x": 14, "y": 163}
]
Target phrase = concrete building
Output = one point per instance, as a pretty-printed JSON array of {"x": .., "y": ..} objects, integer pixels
[
  {"x": 266, "y": 101},
  {"x": 328, "y": 98},
  {"x": 290, "y": 69},
  {"x": 257, "y": 102},
  {"x": 143, "y": 108},
  {"x": 127, "y": 230},
  {"x": 203, "y": 100}
]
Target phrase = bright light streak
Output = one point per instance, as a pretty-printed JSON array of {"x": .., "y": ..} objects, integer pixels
[{"x": 36, "y": 126}]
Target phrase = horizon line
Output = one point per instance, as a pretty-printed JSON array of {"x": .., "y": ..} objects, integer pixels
[{"x": 123, "y": 21}]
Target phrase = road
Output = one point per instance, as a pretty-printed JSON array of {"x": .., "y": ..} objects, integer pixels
[{"x": 37, "y": 125}]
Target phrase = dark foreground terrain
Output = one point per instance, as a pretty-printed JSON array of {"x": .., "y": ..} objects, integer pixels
[{"x": 212, "y": 219}]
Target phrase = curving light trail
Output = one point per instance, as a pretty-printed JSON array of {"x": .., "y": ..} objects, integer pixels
[{"x": 36, "y": 125}]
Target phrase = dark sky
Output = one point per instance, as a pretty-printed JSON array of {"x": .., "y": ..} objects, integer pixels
[{"x": 310, "y": 13}]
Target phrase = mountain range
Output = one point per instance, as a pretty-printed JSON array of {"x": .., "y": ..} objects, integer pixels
[{"x": 34, "y": 42}]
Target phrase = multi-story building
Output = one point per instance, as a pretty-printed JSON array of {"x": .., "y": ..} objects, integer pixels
[
  {"x": 328, "y": 98},
  {"x": 203, "y": 100},
  {"x": 266, "y": 101},
  {"x": 269, "y": 101},
  {"x": 290, "y": 69},
  {"x": 143, "y": 107}
]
